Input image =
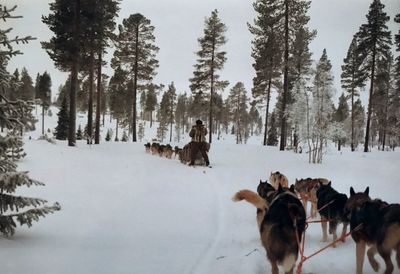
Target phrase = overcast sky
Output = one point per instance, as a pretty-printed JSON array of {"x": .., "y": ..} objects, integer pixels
[{"x": 179, "y": 23}]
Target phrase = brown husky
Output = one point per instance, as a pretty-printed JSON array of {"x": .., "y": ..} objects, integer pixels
[
  {"x": 307, "y": 190},
  {"x": 168, "y": 151},
  {"x": 281, "y": 220},
  {"x": 277, "y": 178},
  {"x": 378, "y": 225}
]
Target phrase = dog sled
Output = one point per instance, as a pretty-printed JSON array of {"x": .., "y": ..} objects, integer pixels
[{"x": 184, "y": 155}]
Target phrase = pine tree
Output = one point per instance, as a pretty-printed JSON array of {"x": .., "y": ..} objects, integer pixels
[
  {"x": 65, "y": 48},
  {"x": 163, "y": 116},
  {"x": 135, "y": 53},
  {"x": 63, "y": 121},
  {"x": 211, "y": 59},
  {"x": 141, "y": 132},
  {"x": 238, "y": 110},
  {"x": 374, "y": 42},
  {"x": 181, "y": 115},
  {"x": 272, "y": 139},
  {"x": 266, "y": 52},
  {"x": 151, "y": 101},
  {"x": 352, "y": 79},
  {"x": 120, "y": 99},
  {"x": 11, "y": 117}
]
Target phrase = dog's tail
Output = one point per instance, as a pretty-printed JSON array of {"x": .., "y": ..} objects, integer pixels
[{"x": 250, "y": 197}]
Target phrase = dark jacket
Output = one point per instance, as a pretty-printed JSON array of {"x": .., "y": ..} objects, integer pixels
[{"x": 198, "y": 133}]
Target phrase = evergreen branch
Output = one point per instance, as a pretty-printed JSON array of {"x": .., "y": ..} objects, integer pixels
[
  {"x": 9, "y": 202},
  {"x": 11, "y": 180},
  {"x": 7, "y": 223}
]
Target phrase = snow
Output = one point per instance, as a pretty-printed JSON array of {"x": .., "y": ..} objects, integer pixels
[{"x": 125, "y": 211}]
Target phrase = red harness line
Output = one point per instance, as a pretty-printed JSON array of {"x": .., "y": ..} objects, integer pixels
[{"x": 305, "y": 258}]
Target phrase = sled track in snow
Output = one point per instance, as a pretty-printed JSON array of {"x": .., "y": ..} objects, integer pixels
[{"x": 208, "y": 255}]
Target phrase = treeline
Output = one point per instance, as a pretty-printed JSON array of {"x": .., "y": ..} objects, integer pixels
[{"x": 304, "y": 117}]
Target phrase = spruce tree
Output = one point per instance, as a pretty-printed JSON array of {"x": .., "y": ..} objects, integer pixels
[
  {"x": 321, "y": 109},
  {"x": 11, "y": 117},
  {"x": 163, "y": 116},
  {"x": 141, "y": 131},
  {"x": 340, "y": 117},
  {"x": 63, "y": 121},
  {"x": 79, "y": 133},
  {"x": 26, "y": 91},
  {"x": 108, "y": 135},
  {"x": 124, "y": 137},
  {"x": 374, "y": 42},
  {"x": 44, "y": 94},
  {"x": 210, "y": 60},
  {"x": 136, "y": 53}
]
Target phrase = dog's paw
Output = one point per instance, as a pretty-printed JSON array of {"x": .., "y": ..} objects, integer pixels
[{"x": 375, "y": 265}]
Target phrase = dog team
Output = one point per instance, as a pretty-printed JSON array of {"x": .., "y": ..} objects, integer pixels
[
  {"x": 281, "y": 218},
  {"x": 162, "y": 150}
]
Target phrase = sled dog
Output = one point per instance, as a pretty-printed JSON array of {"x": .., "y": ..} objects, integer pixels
[
  {"x": 277, "y": 178},
  {"x": 283, "y": 218},
  {"x": 147, "y": 147},
  {"x": 265, "y": 190},
  {"x": 380, "y": 229},
  {"x": 331, "y": 207},
  {"x": 307, "y": 190},
  {"x": 168, "y": 151}
]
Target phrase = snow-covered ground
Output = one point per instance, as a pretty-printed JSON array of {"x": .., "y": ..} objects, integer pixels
[{"x": 125, "y": 211}]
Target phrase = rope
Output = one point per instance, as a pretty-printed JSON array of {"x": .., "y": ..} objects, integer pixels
[{"x": 305, "y": 258}]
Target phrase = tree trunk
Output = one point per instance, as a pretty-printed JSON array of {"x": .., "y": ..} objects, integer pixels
[
  {"x": 98, "y": 103},
  {"x": 116, "y": 129},
  {"x": 74, "y": 76},
  {"x": 266, "y": 112},
  {"x": 211, "y": 95},
  {"x": 170, "y": 132},
  {"x": 285, "y": 78},
  {"x": 370, "y": 100},
  {"x": 43, "y": 118},
  {"x": 135, "y": 80},
  {"x": 339, "y": 145},
  {"x": 151, "y": 119},
  {"x": 352, "y": 120},
  {"x": 90, "y": 101}
]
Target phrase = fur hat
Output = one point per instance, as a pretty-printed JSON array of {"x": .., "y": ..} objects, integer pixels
[{"x": 199, "y": 122}]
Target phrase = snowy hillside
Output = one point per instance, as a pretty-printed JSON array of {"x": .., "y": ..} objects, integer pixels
[{"x": 125, "y": 211}]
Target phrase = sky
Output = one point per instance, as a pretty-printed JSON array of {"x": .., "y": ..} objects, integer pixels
[{"x": 179, "y": 23}]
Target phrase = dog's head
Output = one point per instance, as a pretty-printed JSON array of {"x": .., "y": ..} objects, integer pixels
[
  {"x": 264, "y": 189},
  {"x": 354, "y": 203}
]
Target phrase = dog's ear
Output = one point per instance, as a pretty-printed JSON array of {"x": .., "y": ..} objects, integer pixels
[
  {"x": 291, "y": 188},
  {"x": 366, "y": 191},
  {"x": 352, "y": 192},
  {"x": 330, "y": 183},
  {"x": 295, "y": 180}
]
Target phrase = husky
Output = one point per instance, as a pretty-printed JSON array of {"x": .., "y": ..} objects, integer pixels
[
  {"x": 254, "y": 199},
  {"x": 283, "y": 217},
  {"x": 168, "y": 151},
  {"x": 265, "y": 190},
  {"x": 147, "y": 147},
  {"x": 307, "y": 190},
  {"x": 331, "y": 206},
  {"x": 377, "y": 224},
  {"x": 154, "y": 148},
  {"x": 277, "y": 179},
  {"x": 177, "y": 150}
]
